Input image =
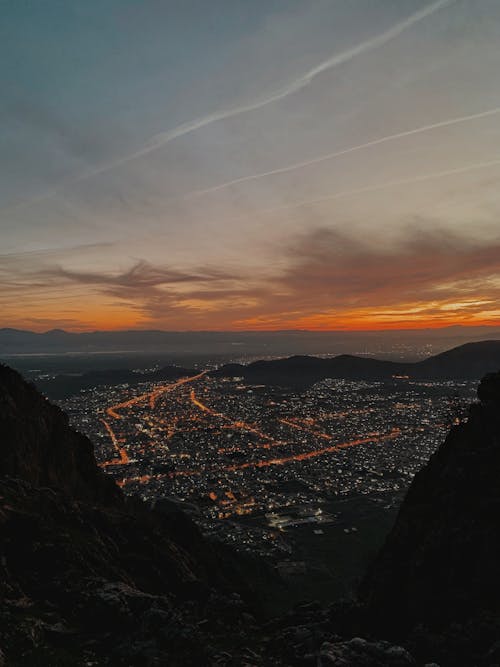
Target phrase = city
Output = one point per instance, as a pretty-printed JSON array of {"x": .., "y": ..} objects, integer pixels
[{"x": 253, "y": 464}]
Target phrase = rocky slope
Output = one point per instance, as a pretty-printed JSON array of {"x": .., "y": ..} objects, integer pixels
[
  {"x": 436, "y": 581},
  {"x": 434, "y": 588},
  {"x": 90, "y": 577},
  {"x": 38, "y": 446}
]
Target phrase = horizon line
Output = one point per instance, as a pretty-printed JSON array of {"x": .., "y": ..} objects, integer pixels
[{"x": 250, "y": 331}]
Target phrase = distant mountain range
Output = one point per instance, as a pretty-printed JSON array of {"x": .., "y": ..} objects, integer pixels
[
  {"x": 469, "y": 361},
  {"x": 393, "y": 344}
]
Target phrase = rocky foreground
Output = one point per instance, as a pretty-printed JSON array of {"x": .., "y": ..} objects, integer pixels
[{"x": 88, "y": 577}]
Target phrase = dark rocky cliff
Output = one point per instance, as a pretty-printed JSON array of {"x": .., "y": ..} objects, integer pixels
[
  {"x": 434, "y": 588},
  {"x": 437, "y": 579},
  {"x": 38, "y": 446}
]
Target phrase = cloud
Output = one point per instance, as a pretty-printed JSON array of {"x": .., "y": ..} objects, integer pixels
[
  {"x": 22, "y": 256},
  {"x": 332, "y": 277},
  {"x": 153, "y": 290},
  {"x": 326, "y": 280},
  {"x": 327, "y": 273},
  {"x": 342, "y": 267},
  {"x": 141, "y": 275}
]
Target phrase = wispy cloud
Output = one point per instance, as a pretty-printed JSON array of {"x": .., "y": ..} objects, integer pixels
[
  {"x": 52, "y": 252},
  {"x": 141, "y": 275}
]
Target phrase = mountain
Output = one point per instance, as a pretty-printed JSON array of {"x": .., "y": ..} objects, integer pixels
[
  {"x": 472, "y": 360},
  {"x": 304, "y": 370},
  {"x": 88, "y": 576},
  {"x": 436, "y": 581},
  {"x": 469, "y": 361}
]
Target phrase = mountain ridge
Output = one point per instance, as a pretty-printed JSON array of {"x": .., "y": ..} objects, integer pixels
[
  {"x": 16, "y": 342},
  {"x": 471, "y": 360}
]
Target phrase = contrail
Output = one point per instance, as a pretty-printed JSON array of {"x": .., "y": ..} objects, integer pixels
[
  {"x": 346, "y": 151},
  {"x": 374, "y": 188},
  {"x": 163, "y": 138}
]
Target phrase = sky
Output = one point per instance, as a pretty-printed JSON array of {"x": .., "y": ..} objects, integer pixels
[{"x": 238, "y": 165}]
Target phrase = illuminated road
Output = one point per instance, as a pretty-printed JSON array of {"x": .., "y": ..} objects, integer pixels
[
  {"x": 121, "y": 451},
  {"x": 266, "y": 439},
  {"x": 241, "y": 425},
  {"x": 150, "y": 396},
  {"x": 299, "y": 427},
  {"x": 370, "y": 438}
]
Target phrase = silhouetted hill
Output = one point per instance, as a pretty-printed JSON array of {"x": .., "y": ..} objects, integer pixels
[
  {"x": 305, "y": 370},
  {"x": 434, "y": 587},
  {"x": 471, "y": 360},
  {"x": 467, "y": 361}
]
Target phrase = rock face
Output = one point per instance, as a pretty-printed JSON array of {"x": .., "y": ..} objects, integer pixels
[
  {"x": 437, "y": 579},
  {"x": 38, "y": 446},
  {"x": 362, "y": 653}
]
